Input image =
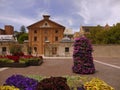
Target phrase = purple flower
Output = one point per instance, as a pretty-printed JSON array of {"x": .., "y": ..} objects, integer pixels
[
  {"x": 82, "y": 56},
  {"x": 21, "y": 82}
]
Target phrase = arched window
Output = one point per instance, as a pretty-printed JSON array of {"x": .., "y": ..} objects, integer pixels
[
  {"x": 35, "y": 31},
  {"x": 35, "y": 49}
]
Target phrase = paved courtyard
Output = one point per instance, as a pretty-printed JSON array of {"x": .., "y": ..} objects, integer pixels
[{"x": 107, "y": 69}]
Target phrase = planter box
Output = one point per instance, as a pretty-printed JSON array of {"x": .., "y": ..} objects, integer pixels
[
  {"x": 30, "y": 63},
  {"x": 13, "y": 65},
  {"x": 35, "y": 63}
]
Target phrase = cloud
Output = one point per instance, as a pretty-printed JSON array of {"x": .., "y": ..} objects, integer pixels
[
  {"x": 32, "y": 10},
  {"x": 40, "y": 12},
  {"x": 98, "y": 11},
  {"x": 69, "y": 13},
  {"x": 18, "y": 20},
  {"x": 17, "y": 3},
  {"x": 66, "y": 21}
]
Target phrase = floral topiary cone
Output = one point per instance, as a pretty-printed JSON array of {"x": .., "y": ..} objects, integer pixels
[{"x": 82, "y": 56}]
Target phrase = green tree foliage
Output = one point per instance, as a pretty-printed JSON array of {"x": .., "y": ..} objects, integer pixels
[
  {"x": 93, "y": 34},
  {"x": 19, "y": 33},
  {"x": 23, "y": 37},
  {"x": 99, "y": 35}
]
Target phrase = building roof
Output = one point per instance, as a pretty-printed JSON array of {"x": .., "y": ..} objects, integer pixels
[
  {"x": 76, "y": 34},
  {"x": 1, "y": 29},
  {"x": 66, "y": 39},
  {"x": 87, "y": 28},
  {"x": 68, "y": 32},
  {"x": 26, "y": 41},
  {"x": 46, "y": 19},
  {"x": 6, "y": 38}
]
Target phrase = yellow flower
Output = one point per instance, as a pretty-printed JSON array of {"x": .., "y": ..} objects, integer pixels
[
  {"x": 97, "y": 84},
  {"x": 8, "y": 88}
]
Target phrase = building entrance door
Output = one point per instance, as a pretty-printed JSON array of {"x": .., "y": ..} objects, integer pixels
[{"x": 54, "y": 50}]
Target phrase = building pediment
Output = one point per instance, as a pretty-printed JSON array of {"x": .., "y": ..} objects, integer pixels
[{"x": 45, "y": 23}]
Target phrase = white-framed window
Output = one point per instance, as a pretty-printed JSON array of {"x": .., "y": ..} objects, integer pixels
[{"x": 66, "y": 49}]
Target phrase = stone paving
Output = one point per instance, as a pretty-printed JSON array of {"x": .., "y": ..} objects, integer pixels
[{"x": 62, "y": 66}]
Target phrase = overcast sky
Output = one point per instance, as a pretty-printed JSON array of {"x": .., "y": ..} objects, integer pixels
[{"x": 70, "y": 13}]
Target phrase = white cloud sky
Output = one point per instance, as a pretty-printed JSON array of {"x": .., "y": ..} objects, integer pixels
[
  {"x": 99, "y": 11},
  {"x": 69, "y": 13},
  {"x": 18, "y": 20}
]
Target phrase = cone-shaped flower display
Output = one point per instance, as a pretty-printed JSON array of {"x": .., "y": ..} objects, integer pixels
[{"x": 82, "y": 56}]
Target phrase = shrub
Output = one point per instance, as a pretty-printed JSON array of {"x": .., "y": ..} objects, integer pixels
[
  {"x": 23, "y": 60},
  {"x": 6, "y": 60},
  {"x": 16, "y": 50},
  {"x": 14, "y": 58}
]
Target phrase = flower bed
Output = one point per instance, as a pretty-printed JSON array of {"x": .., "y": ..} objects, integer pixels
[
  {"x": 35, "y": 82},
  {"x": 20, "y": 61},
  {"x": 6, "y": 87}
]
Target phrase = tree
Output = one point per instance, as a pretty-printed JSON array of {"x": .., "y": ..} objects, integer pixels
[
  {"x": 99, "y": 35},
  {"x": 114, "y": 35},
  {"x": 23, "y": 37},
  {"x": 23, "y": 29},
  {"x": 93, "y": 33}
]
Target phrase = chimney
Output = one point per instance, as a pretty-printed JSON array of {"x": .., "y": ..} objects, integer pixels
[
  {"x": 46, "y": 17},
  {"x": 9, "y": 30}
]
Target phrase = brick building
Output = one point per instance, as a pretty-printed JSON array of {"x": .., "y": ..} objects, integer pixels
[
  {"x": 45, "y": 32},
  {"x": 7, "y": 39},
  {"x": 86, "y": 29},
  {"x": 8, "y": 30}
]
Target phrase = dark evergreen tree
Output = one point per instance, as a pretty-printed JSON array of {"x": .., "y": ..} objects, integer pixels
[
  {"x": 82, "y": 56},
  {"x": 23, "y": 29}
]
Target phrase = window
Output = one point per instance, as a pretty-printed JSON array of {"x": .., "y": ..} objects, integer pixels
[
  {"x": 45, "y": 32},
  {"x": 66, "y": 49},
  {"x": 46, "y": 38},
  {"x": 46, "y": 24},
  {"x": 35, "y": 49},
  {"x": 56, "y": 38},
  {"x": 35, "y": 31},
  {"x": 56, "y": 31},
  {"x": 35, "y": 38},
  {"x": 4, "y": 49}
]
